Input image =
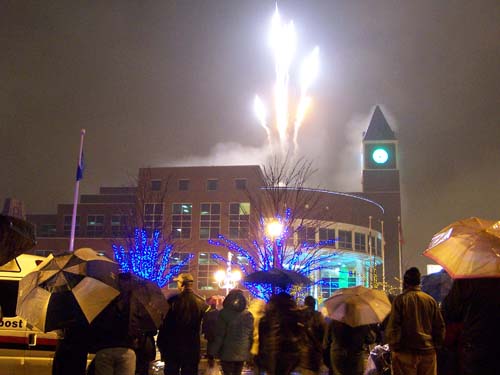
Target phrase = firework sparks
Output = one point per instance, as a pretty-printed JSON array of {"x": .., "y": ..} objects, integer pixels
[
  {"x": 283, "y": 41},
  {"x": 260, "y": 112},
  {"x": 308, "y": 74}
]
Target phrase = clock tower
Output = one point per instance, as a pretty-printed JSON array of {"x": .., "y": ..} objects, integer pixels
[
  {"x": 380, "y": 156},
  {"x": 381, "y": 184}
]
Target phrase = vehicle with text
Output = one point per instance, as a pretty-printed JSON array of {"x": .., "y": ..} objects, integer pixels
[{"x": 23, "y": 349}]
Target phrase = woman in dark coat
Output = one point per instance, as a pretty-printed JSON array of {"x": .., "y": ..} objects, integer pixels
[
  {"x": 315, "y": 328},
  {"x": 281, "y": 336},
  {"x": 233, "y": 334},
  {"x": 348, "y": 347}
]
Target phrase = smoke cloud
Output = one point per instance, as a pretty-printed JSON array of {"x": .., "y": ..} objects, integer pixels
[{"x": 231, "y": 153}]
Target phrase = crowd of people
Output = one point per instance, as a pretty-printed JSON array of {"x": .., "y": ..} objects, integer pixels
[{"x": 280, "y": 336}]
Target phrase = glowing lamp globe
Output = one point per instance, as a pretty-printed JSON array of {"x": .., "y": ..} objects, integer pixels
[
  {"x": 274, "y": 229},
  {"x": 219, "y": 276}
]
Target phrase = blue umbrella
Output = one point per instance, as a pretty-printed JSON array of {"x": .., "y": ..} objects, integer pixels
[{"x": 438, "y": 285}]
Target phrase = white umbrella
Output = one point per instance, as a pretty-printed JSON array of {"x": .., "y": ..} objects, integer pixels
[{"x": 357, "y": 306}]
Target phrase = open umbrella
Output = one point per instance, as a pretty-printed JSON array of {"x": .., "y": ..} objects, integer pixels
[
  {"x": 16, "y": 237},
  {"x": 277, "y": 277},
  {"x": 357, "y": 306},
  {"x": 437, "y": 284},
  {"x": 148, "y": 305},
  {"x": 67, "y": 288},
  {"x": 468, "y": 249}
]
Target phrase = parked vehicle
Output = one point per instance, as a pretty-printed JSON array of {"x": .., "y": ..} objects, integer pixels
[{"x": 23, "y": 349}]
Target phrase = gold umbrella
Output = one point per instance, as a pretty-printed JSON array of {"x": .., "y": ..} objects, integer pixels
[
  {"x": 358, "y": 306},
  {"x": 468, "y": 249}
]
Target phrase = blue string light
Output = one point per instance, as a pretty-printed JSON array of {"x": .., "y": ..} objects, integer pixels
[{"x": 145, "y": 258}]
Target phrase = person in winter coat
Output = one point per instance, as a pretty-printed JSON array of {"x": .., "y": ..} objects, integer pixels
[
  {"x": 114, "y": 342},
  {"x": 348, "y": 347},
  {"x": 208, "y": 327},
  {"x": 474, "y": 305},
  {"x": 281, "y": 336},
  {"x": 315, "y": 332},
  {"x": 233, "y": 333},
  {"x": 415, "y": 329},
  {"x": 179, "y": 336}
]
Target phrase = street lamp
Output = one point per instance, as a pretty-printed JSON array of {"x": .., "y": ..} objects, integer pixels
[
  {"x": 274, "y": 229},
  {"x": 227, "y": 279}
]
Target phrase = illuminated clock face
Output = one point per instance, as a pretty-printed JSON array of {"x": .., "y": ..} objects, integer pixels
[{"x": 380, "y": 156}]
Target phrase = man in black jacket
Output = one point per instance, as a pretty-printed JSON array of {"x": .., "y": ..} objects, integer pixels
[
  {"x": 179, "y": 335},
  {"x": 113, "y": 341},
  {"x": 475, "y": 303}
]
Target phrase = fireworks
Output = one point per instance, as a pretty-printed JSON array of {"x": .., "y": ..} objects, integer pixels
[{"x": 283, "y": 41}]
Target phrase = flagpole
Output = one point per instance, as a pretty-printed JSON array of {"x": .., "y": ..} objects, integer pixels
[
  {"x": 383, "y": 253},
  {"x": 370, "y": 270},
  {"x": 400, "y": 251},
  {"x": 75, "y": 198}
]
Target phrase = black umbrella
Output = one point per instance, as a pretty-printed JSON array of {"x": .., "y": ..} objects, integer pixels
[
  {"x": 67, "y": 289},
  {"x": 148, "y": 305},
  {"x": 277, "y": 277},
  {"x": 16, "y": 237},
  {"x": 438, "y": 285}
]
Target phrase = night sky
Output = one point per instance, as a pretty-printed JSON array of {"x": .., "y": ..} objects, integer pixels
[{"x": 159, "y": 83}]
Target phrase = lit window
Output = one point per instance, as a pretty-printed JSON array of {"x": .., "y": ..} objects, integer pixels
[
  {"x": 209, "y": 220},
  {"x": 206, "y": 269},
  {"x": 239, "y": 217},
  {"x": 181, "y": 220},
  {"x": 95, "y": 225}
]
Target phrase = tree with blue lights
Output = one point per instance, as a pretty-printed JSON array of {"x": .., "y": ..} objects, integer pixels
[
  {"x": 149, "y": 258},
  {"x": 267, "y": 253},
  {"x": 142, "y": 247},
  {"x": 283, "y": 201}
]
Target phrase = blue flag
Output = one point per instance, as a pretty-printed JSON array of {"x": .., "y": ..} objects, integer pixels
[{"x": 80, "y": 168}]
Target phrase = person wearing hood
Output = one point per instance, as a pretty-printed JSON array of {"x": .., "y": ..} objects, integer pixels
[{"x": 234, "y": 333}]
